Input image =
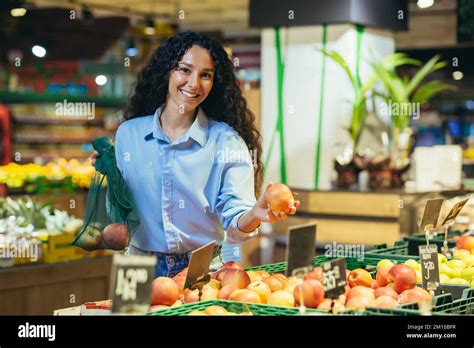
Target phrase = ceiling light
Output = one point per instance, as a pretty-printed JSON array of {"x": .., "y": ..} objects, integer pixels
[
  {"x": 100, "y": 80},
  {"x": 425, "y": 3},
  {"x": 18, "y": 12},
  {"x": 38, "y": 51},
  {"x": 149, "y": 27},
  {"x": 458, "y": 75}
]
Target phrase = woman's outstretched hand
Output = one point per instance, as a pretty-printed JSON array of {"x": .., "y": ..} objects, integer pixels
[{"x": 263, "y": 213}]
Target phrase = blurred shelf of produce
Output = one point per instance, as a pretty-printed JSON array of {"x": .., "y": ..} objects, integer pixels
[
  {"x": 58, "y": 176},
  {"x": 37, "y": 232}
]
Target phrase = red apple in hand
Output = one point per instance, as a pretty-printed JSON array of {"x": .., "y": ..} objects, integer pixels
[
  {"x": 401, "y": 278},
  {"x": 359, "y": 276},
  {"x": 279, "y": 198}
]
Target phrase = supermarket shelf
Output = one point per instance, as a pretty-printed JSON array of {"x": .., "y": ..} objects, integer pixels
[
  {"x": 51, "y": 139},
  {"x": 16, "y": 97},
  {"x": 32, "y": 120},
  {"x": 51, "y": 157}
]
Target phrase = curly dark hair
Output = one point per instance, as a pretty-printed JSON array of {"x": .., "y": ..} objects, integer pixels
[{"x": 224, "y": 103}]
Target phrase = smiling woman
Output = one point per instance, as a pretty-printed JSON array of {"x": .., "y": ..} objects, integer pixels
[{"x": 186, "y": 110}]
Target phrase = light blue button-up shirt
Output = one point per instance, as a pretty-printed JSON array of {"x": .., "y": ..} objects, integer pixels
[{"x": 177, "y": 186}]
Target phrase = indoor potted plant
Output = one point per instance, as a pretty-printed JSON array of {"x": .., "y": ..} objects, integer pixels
[{"x": 403, "y": 97}]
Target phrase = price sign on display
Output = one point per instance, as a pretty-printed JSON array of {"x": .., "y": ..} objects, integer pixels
[
  {"x": 429, "y": 267},
  {"x": 199, "y": 263},
  {"x": 130, "y": 283},
  {"x": 454, "y": 212},
  {"x": 334, "y": 277},
  {"x": 431, "y": 213},
  {"x": 301, "y": 247}
]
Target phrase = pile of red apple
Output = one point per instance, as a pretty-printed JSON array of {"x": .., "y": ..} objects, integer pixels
[{"x": 394, "y": 285}]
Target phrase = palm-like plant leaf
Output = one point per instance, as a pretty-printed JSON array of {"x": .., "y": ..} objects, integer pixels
[
  {"x": 429, "y": 90},
  {"x": 342, "y": 62},
  {"x": 428, "y": 68}
]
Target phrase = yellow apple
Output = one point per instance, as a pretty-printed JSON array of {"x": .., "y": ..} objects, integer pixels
[
  {"x": 262, "y": 289},
  {"x": 469, "y": 260},
  {"x": 456, "y": 264},
  {"x": 442, "y": 258},
  {"x": 468, "y": 273},
  {"x": 384, "y": 262},
  {"x": 443, "y": 278},
  {"x": 458, "y": 281},
  {"x": 456, "y": 272},
  {"x": 460, "y": 254},
  {"x": 445, "y": 269},
  {"x": 419, "y": 278},
  {"x": 413, "y": 264}
]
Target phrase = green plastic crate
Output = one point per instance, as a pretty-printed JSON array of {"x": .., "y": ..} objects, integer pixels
[
  {"x": 369, "y": 263},
  {"x": 442, "y": 305},
  {"x": 236, "y": 307},
  {"x": 399, "y": 252},
  {"x": 415, "y": 241},
  {"x": 461, "y": 306}
]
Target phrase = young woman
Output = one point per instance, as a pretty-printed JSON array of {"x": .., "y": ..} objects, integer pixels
[{"x": 185, "y": 153}]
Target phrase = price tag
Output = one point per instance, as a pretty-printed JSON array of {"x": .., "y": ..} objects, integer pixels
[
  {"x": 431, "y": 213},
  {"x": 334, "y": 277},
  {"x": 454, "y": 212},
  {"x": 199, "y": 263},
  {"x": 429, "y": 267},
  {"x": 301, "y": 247},
  {"x": 130, "y": 283}
]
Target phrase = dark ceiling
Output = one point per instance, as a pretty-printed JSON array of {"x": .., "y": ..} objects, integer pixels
[{"x": 64, "y": 37}]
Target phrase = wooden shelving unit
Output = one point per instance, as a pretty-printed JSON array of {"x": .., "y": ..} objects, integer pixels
[{"x": 39, "y": 131}]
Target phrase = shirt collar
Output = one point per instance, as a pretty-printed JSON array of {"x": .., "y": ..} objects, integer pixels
[{"x": 198, "y": 130}]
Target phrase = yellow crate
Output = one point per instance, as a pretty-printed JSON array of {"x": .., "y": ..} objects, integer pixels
[
  {"x": 91, "y": 254},
  {"x": 57, "y": 248}
]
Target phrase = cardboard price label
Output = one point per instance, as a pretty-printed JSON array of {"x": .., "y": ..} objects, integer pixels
[
  {"x": 130, "y": 283},
  {"x": 431, "y": 213},
  {"x": 429, "y": 267},
  {"x": 199, "y": 262},
  {"x": 454, "y": 212},
  {"x": 301, "y": 248},
  {"x": 334, "y": 277}
]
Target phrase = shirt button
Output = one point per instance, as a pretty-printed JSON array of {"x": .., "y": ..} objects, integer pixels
[{"x": 171, "y": 260}]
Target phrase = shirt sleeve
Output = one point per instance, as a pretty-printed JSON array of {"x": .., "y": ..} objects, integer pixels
[{"x": 236, "y": 194}]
